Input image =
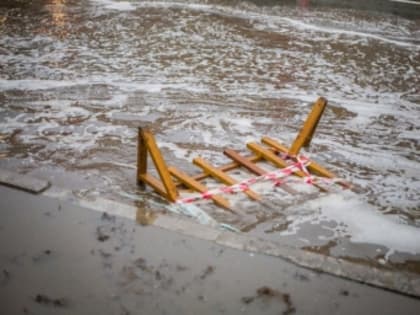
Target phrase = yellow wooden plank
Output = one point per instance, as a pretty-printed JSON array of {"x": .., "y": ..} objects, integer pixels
[
  {"x": 254, "y": 168},
  {"x": 223, "y": 177},
  {"x": 227, "y": 167},
  {"x": 271, "y": 157},
  {"x": 244, "y": 162},
  {"x": 304, "y": 136},
  {"x": 275, "y": 144},
  {"x": 313, "y": 166},
  {"x": 160, "y": 164},
  {"x": 141, "y": 159},
  {"x": 197, "y": 186}
]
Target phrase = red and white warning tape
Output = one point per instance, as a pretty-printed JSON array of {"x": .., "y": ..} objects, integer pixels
[{"x": 300, "y": 165}]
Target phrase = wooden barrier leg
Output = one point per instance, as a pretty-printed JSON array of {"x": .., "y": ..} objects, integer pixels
[
  {"x": 304, "y": 136},
  {"x": 150, "y": 143},
  {"x": 141, "y": 159}
]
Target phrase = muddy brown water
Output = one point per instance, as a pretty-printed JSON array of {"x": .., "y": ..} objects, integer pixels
[{"x": 78, "y": 77}]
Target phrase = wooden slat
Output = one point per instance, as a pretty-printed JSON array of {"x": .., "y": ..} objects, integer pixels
[
  {"x": 197, "y": 186},
  {"x": 254, "y": 168},
  {"x": 271, "y": 157},
  {"x": 275, "y": 144},
  {"x": 155, "y": 184},
  {"x": 160, "y": 164},
  {"x": 313, "y": 166},
  {"x": 304, "y": 136},
  {"x": 223, "y": 177},
  {"x": 141, "y": 159},
  {"x": 227, "y": 167}
]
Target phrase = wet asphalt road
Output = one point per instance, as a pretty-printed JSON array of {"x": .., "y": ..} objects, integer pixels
[{"x": 56, "y": 258}]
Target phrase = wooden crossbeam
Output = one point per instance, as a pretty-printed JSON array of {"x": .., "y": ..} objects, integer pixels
[
  {"x": 313, "y": 166},
  {"x": 253, "y": 168},
  {"x": 231, "y": 166},
  {"x": 197, "y": 186},
  {"x": 228, "y": 167},
  {"x": 223, "y": 177},
  {"x": 270, "y": 156},
  {"x": 276, "y": 160}
]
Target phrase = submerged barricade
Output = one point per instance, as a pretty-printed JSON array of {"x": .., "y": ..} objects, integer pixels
[{"x": 288, "y": 162}]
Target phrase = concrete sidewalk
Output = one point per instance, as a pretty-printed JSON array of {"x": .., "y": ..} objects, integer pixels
[{"x": 58, "y": 258}]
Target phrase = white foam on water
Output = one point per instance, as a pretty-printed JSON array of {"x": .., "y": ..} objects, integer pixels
[
  {"x": 366, "y": 108},
  {"x": 306, "y": 26},
  {"x": 35, "y": 84},
  {"x": 116, "y": 5},
  {"x": 252, "y": 15},
  {"x": 406, "y": 1},
  {"x": 360, "y": 222}
]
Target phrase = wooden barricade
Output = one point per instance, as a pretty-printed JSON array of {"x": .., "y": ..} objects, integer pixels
[{"x": 270, "y": 150}]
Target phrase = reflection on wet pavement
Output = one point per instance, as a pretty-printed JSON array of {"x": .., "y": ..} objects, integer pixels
[{"x": 56, "y": 264}]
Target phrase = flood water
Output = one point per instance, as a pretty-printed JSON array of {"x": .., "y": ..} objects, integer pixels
[{"x": 78, "y": 77}]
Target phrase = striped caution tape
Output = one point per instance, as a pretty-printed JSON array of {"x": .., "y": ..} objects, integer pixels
[
  {"x": 311, "y": 179},
  {"x": 300, "y": 165}
]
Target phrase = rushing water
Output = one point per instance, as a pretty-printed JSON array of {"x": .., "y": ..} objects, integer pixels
[{"x": 78, "y": 77}]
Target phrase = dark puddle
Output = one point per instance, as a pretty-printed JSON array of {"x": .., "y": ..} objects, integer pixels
[
  {"x": 49, "y": 301},
  {"x": 101, "y": 234},
  {"x": 109, "y": 228},
  {"x": 207, "y": 272},
  {"x": 141, "y": 277},
  {"x": 344, "y": 292},
  {"x": 265, "y": 293}
]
